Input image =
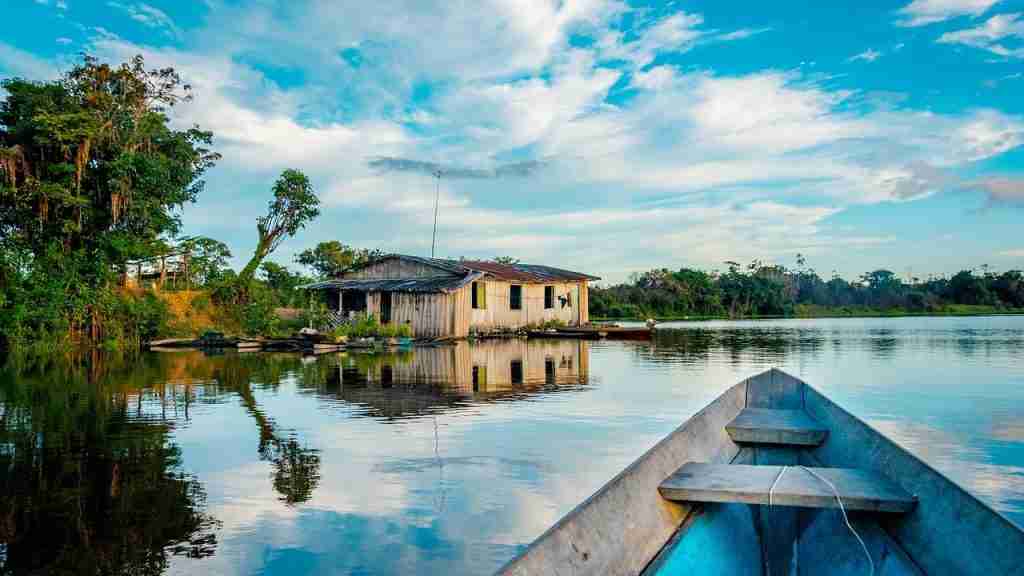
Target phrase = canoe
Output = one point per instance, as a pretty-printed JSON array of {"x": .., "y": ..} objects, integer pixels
[
  {"x": 752, "y": 484},
  {"x": 563, "y": 334}
]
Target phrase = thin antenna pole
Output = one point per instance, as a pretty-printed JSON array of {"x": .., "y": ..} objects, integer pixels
[{"x": 437, "y": 195}]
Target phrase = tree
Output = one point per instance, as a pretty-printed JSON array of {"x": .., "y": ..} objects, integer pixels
[
  {"x": 283, "y": 283},
  {"x": 208, "y": 259},
  {"x": 91, "y": 175},
  {"x": 506, "y": 260},
  {"x": 332, "y": 259},
  {"x": 294, "y": 205}
]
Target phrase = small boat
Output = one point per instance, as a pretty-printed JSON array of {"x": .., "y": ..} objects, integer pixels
[
  {"x": 772, "y": 477},
  {"x": 560, "y": 333}
]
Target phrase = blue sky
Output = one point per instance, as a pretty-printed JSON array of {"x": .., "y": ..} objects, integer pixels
[{"x": 682, "y": 133}]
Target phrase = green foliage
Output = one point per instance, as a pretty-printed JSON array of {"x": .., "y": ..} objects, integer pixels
[
  {"x": 367, "y": 326},
  {"x": 284, "y": 284},
  {"x": 91, "y": 176},
  {"x": 759, "y": 290},
  {"x": 332, "y": 259},
  {"x": 132, "y": 320},
  {"x": 257, "y": 313},
  {"x": 294, "y": 205},
  {"x": 208, "y": 259}
]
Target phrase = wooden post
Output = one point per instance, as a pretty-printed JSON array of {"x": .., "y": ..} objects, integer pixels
[
  {"x": 188, "y": 277},
  {"x": 163, "y": 270}
]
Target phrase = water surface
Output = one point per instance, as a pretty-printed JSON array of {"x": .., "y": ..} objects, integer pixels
[{"x": 447, "y": 459}]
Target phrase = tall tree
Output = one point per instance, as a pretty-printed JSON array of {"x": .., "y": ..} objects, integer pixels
[
  {"x": 91, "y": 175},
  {"x": 332, "y": 259},
  {"x": 294, "y": 205}
]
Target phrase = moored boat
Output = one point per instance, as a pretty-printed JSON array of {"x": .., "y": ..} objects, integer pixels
[{"x": 772, "y": 477}]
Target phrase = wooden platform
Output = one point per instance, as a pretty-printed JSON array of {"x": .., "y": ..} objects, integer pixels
[
  {"x": 749, "y": 484},
  {"x": 767, "y": 426}
]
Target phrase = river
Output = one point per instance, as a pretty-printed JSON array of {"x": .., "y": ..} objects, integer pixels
[{"x": 445, "y": 459}]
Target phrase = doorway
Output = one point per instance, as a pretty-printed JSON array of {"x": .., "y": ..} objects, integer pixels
[{"x": 385, "y": 307}]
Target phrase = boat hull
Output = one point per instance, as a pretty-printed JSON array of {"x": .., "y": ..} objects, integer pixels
[{"x": 626, "y": 527}]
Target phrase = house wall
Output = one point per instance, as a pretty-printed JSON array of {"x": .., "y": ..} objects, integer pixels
[
  {"x": 433, "y": 315},
  {"x": 499, "y": 315}
]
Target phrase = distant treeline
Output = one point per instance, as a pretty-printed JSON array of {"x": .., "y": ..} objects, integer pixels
[{"x": 759, "y": 290}]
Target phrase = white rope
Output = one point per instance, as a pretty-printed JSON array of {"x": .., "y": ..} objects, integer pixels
[
  {"x": 771, "y": 491},
  {"x": 863, "y": 546}
]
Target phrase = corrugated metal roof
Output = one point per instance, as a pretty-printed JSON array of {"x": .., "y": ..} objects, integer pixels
[
  {"x": 550, "y": 273},
  {"x": 525, "y": 272},
  {"x": 428, "y": 284},
  {"x": 440, "y": 263},
  {"x": 511, "y": 272}
]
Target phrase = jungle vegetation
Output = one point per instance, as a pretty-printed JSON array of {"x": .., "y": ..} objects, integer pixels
[
  {"x": 93, "y": 176},
  {"x": 764, "y": 290}
]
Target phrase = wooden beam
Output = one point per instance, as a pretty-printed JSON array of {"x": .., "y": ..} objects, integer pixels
[{"x": 750, "y": 484}]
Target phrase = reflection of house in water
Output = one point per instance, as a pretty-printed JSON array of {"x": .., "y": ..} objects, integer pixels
[{"x": 425, "y": 378}]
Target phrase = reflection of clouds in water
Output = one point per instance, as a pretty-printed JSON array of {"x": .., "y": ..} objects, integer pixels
[
  {"x": 1003, "y": 486},
  {"x": 510, "y": 462},
  {"x": 1010, "y": 431}
]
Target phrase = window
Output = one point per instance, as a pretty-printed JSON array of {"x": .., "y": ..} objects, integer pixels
[
  {"x": 479, "y": 378},
  {"x": 516, "y": 371},
  {"x": 479, "y": 295},
  {"x": 549, "y": 297},
  {"x": 515, "y": 297}
]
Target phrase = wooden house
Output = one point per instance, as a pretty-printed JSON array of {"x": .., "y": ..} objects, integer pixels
[{"x": 441, "y": 298}]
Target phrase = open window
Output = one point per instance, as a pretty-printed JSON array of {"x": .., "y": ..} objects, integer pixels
[
  {"x": 549, "y": 297},
  {"x": 515, "y": 297}
]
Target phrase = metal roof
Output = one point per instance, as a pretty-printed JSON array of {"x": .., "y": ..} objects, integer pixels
[
  {"x": 461, "y": 269},
  {"x": 515, "y": 272},
  {"x": 427, "y": 284}
]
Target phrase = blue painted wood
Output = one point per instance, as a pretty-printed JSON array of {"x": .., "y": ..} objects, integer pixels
[{"x": 721, "y": 539}]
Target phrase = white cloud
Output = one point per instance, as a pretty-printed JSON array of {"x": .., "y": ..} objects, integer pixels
[
  {"x": 1000, "y": 188},
  {"x": 921, "y": 12},
  {"x": 148, "y": 16},
  {"x": 743, "y": 33},
  {"x": 1016, "y": 253},
  {"x": 990, "y": 35},
  {"x": 869, "y": 55},
  {"x": 16, "y": 62},
  {"x": 64, "y": 41},
  {"x": 675, "y": 33}
]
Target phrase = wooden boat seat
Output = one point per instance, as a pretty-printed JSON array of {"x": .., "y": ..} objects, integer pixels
[
  {"x": 750, "y": 484},
  {"x": 768, "y": 426}
]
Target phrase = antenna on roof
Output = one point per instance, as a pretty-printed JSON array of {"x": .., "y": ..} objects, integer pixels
[
  {"x": 514, "y": 170},
  {"x": 437, "y": 196}
]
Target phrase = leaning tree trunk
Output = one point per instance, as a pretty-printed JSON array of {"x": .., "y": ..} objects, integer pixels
[{"x": 247, "y": 273}]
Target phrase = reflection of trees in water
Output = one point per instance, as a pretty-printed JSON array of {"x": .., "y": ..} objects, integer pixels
[
  {"x": 296, "y": 467},
  {"x": 698, "y": 345},
  {"x": 88, "y": 484}
]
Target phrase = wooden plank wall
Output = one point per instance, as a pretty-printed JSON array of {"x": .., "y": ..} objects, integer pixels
[{"x": 498, "y": 315}]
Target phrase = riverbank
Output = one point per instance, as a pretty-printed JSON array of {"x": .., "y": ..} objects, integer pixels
[{"x": 805, "y": 311}]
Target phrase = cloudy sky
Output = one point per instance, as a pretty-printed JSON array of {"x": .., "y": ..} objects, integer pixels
[{"x": 681, "y": 133}]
